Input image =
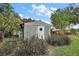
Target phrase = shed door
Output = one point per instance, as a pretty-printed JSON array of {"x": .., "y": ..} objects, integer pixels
[{"x": 41, "y": 32}]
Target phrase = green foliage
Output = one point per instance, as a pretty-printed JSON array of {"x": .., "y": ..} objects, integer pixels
[
  {"x": 12, "y": 22},
  {"x": 9, "y": 23},
  {"x": 27, "y": 20},
  {"x": 2, "y": 22},
  {"x": 64, "y": 17},
  {"x": 59, "y": 40},
  {"x": 26, "y": 47},
  {"x": 9, "y": 20},
  {"x": 1, "y": 36},
  {"x": 5, "y": 8},
  {"x": 76, "y": 14},
  {"x": 73, "y": 31},
  {"x": 70, "y": 50},
  {"x": 61, "y": 18}
]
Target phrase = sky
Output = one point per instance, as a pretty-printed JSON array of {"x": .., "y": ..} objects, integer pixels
[{"x": 37, "y": 11}]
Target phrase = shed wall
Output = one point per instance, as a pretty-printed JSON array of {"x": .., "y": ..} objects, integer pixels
[{"x": 30, "y": 29}]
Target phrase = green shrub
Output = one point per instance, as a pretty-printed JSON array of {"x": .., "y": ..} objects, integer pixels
[
  {"x": 73, "y": 31},
  {"x": 59, "y": 40},
  {"x": 7, "y": 34},
  {"x": 29, "y": 47}
]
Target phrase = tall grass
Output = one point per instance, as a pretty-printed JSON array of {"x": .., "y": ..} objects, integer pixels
[
  {"x": 67, "y": 50},
  {"x": 31, "y": 47},
  {"x": 59, "y": 40}
]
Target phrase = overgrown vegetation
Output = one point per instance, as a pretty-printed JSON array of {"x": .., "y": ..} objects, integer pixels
[
  {"x": 68, "y": 50},
  {"x": 1, "y": 36},
  {"x": 9, "y": 19},
  {"x": 73, "y": 31},
  {"x": 60, "y": 44},
  {"x": 31, "y": 47},
  {"x": 59, "y": 40}
]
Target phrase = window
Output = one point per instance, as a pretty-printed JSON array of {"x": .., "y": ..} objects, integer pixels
[{"x": 40, "y": 29}]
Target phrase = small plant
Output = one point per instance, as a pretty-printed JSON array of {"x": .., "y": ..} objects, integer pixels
[{"x": 59, "y": 40}]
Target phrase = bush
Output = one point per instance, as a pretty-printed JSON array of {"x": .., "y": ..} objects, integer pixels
[
  {"x": 73, "y": 31},
  {"x": 37, "y": 46},
  {"x": 68, "y": 32},
  {"x": 7, "y": 34},
  {"x": 29, "y": 47},
  {"x": 59, "y": 40}
]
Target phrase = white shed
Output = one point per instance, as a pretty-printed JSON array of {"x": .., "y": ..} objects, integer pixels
[{"x": 38, "y": 29}]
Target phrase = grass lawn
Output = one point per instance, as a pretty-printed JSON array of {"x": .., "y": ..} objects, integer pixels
[{"x": 70, "y": 50}]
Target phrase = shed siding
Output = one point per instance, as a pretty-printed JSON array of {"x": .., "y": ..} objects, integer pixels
[{"x": 30, "y": 29}]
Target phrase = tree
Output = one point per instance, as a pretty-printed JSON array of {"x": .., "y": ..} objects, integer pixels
[
  {"x": 61, "y": 18},
  {"x": 27, "y": 20},
  {"x": 64, "y": 17},
  {"x": 2, "y": 22},
  {"x": 12, "y": 22},
  {"x": 9, "y": 20},
  {"x": 5, "y": 8},
  {"x": 74, "y": 8}
]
